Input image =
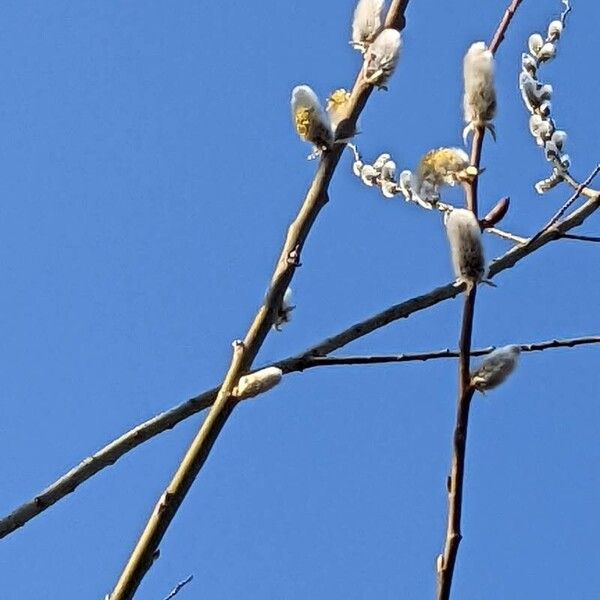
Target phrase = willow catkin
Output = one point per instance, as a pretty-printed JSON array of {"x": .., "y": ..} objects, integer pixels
[
  {"x": 257, "y": 383},
  {"x": 495, "y": 368},
  {"x": 466, "y": 248}
]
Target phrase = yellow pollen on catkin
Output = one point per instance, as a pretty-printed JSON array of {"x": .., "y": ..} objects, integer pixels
[
  {"x": 303, "y": 120},
  {"x": 338, "y": 98}
]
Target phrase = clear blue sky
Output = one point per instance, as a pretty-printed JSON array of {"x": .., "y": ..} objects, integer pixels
[{"x": 149, "y": 171}]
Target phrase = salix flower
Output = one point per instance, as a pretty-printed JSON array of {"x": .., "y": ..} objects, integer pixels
[
  {"x": 535, "y": 43},
  {"x": 257, "y": 383},
  {"x": 311, "y": 121},
  {"x": 366, "y": 23},
  {"x": 442, "y": 166},
  {"x": 284, "y": 312},
  {"x": 337, "y": 106},
  {"x": 382, "y": 57},
  {"x": 495, "y": 368},
  {"x": 466, "y": 248},
  {"x": 479, "y": 101},
  {"x": 547, "y": 52},
  {"x": 555, "y": 30}
]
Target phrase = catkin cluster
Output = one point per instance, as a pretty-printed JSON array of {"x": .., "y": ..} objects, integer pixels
[{"x": 537, "y": 97}]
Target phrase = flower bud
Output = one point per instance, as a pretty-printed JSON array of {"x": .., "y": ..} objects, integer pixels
[
  {"x": 555, "y": 30},
  {"x": 535, "y": 42},
  {"x": 382, "y": 57},
  {"x": 479, "y": 101},
  {"x": 257, "y": 383},
  {"x": 366, "y": 23},
  {"x": 495, "y": 368},
  {"x": 284, "y": 312},
  {"x": 466, "y": 248}
]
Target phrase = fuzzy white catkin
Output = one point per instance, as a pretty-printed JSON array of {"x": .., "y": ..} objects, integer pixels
[
  {"x": 466, "y": 248},
  {"x": 366, "y": 23},
  {"x": 284, "y": 313},
  {"x": 479, "y": 101},
  {"x": 495, "y": 368},
  {"x": 311, "y": 121},
  {"x": 257, "y": 383},
  {"x": 382, "y": 57}
]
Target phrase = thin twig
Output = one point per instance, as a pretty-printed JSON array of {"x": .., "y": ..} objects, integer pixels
[
  {"x": 178, "y": 588},
  {"x": 311, "y": 362},
  {"x": 162, "y": 422},
  {"x": 447, "y": 560},
  {"x": 582, "y": 238},
  {"x": 565, "y": 12},
  {"x": 563, "y": 209},
  {"x": 517, "y": 239},
  {"x": 244, "y": 351},
  {"x": 509, "y": 13}
]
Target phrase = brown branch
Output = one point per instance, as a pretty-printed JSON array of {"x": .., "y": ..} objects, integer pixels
[
  {"x": 244, "y": 351},
  {"x": 310, "y": 362},
  {"x": 563, "y": 209},
  {"x": 509, "y": 13},
  {"x": 447, "y": 560},
  {"x": 110, "y": 453},
  {"x": 581, "y": 238},
  {"x": 162, "y": 422}
]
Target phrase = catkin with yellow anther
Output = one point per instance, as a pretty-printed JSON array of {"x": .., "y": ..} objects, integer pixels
[
  {"x": 311, "y": 121},
  {"x": 441, "y": 166}
]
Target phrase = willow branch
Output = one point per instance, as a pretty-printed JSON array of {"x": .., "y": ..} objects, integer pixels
[
  {"x": 162, "y": 422},
  {"x": 310, "y": 362},
  {"x": 245, "y": 351},
  {"x": 178, "y": 587},
  {"x": 563, "y": 209},
  {"x": 581, "y": 238},
  {"x": 447, "y": 560}
]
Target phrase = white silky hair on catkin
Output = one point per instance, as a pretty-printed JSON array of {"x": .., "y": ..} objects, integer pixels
[
  {"x": 257, "y": 383},
  {"x": 466, "y": 248},
  {"x": 382, "y": 57},
  {"x": 480, "y": 95},
  {"x": 495, "y": 368},
  {"x": 318, "y": 130},
  {"x": 284, "y": 312},
  {"x": 366, "y": 23}
]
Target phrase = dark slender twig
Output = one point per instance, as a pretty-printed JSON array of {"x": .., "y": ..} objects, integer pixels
[
  {"x": 565, "y": 12},
  {"x": 378, "y": 359},
  {"x": 509, "y": 13},
  {"x": 178, "y": 588},
  {"x": 563, "y": 209},
  {"x": 244, "y": 351},
  {"x": 582, "y": 238},
  {"x": 447, "y": 560}
]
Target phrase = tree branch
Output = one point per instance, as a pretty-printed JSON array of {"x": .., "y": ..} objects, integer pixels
[
  {"x": 447, "y": 560},
  {"x": 145, "y": 431},
  {"x": 244, "y": 351},
  {"x": 178, "y": 587},
  {"x": 582, "y": 238},
  {"x": 310, "y": 362},
  {"x": 563, "y": 209}
]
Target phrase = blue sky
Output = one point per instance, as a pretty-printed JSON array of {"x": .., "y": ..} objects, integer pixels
[{"x": 149, "y": 171}]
